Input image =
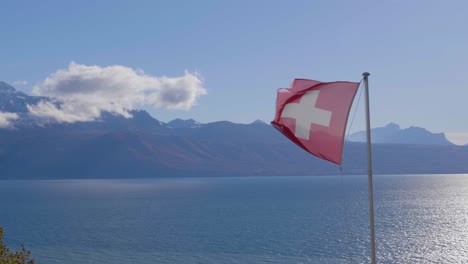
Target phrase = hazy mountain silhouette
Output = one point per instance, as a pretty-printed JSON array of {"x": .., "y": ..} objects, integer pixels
[{"x": 392, "y": 133}]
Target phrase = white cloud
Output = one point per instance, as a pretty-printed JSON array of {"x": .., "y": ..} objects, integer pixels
[
  {"x": 458, "y": 138},
  {"x": 6, "y": 119},
  {"x": 83, "y": 92},
  {"x": 20, "y": 83},
  {"x": 68, "y": 112}
]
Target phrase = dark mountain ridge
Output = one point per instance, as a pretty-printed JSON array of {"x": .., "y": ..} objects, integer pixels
[{"x": 118, "y": 147}]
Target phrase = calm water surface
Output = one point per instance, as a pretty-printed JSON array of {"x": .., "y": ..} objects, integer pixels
[{"x": 419, "y": 219}]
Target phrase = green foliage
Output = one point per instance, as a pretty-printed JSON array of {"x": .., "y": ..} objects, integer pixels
[{"x": 9, "y": 257}]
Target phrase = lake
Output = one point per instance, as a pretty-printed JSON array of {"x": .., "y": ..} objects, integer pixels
[{"x": 419, "y": 219}]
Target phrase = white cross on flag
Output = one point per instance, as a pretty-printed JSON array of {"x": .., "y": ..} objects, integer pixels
[{"x": 314, "y": 114}]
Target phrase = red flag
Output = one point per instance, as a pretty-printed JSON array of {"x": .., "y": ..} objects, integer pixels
[{"x": 314, "y": 114}]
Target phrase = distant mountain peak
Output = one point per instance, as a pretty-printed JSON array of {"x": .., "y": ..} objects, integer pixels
[
  {"x": 184, "y": 123},
  {"x": 393, "y": 134},
  {"x": 393, "y": 126},
  {"x": 14, "y": 101},
  {"x": 259, "y": 121},
  {"x": 6, "y": 88}
]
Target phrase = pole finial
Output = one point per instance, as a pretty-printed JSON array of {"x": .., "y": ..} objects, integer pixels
[{"x": 365, "y": 74}]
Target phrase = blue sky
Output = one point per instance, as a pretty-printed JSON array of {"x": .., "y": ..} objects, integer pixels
[{"x": 416, "y": 51}]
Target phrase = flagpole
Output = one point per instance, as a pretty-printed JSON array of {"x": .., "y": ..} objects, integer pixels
[{"x": 369, "y": 169}]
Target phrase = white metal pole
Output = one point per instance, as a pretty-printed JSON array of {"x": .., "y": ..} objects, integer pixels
[{"x": 369, "y": 169}]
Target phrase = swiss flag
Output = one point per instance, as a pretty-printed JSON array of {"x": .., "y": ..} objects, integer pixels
[{"x": 314, "y": 114}]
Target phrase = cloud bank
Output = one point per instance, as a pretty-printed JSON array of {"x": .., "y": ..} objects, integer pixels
[
  {"x": 82, "y": 92},
  {"x": 6, "y": 119}
]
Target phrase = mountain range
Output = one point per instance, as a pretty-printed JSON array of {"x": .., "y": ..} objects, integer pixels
[
  {"x": 392, "y": 133},
  {"x": 142, "y": 146}
]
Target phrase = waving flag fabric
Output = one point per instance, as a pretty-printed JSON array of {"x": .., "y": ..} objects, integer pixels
[{"x": 314, "y": 114}]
